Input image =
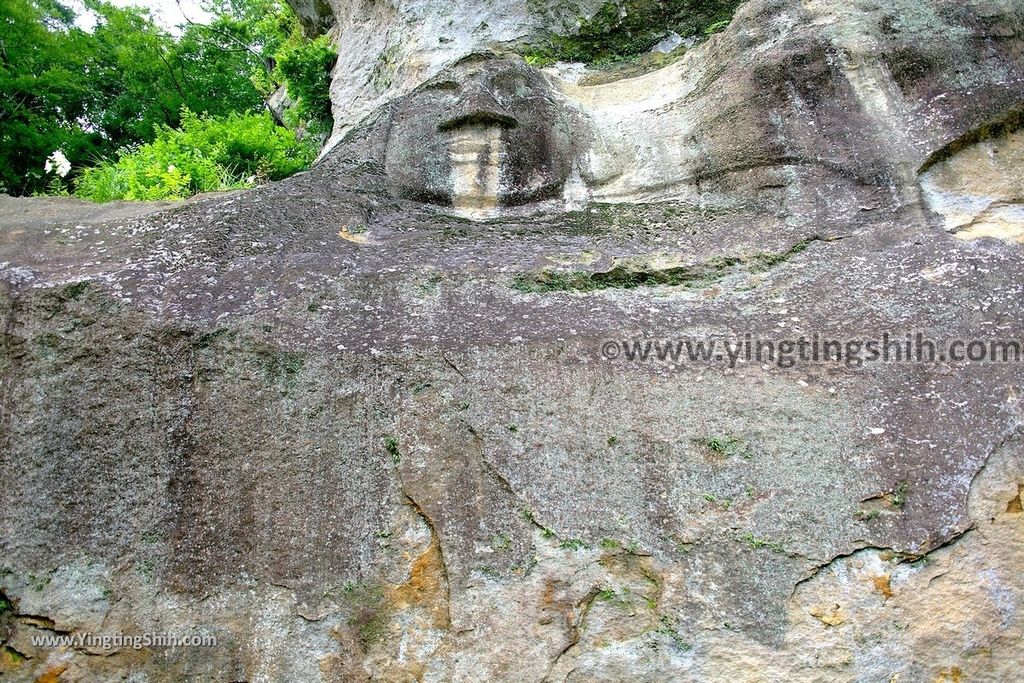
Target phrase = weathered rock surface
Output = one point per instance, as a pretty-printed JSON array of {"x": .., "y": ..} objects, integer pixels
[
  {"x": 354, "y": 436},
  {"x": 388, "y": 48}
]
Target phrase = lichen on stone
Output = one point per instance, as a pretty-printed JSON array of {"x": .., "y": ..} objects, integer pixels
[{"x": 621, "y": 30}]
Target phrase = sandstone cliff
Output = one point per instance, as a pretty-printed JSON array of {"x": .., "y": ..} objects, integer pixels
[{"x": 363, "y": 424}]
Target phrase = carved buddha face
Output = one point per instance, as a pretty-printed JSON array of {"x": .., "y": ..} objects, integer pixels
[{"x": 486, "y": 132}]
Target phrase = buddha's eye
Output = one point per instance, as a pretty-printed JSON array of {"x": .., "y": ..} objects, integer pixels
[{"x": 509, "y": 84}]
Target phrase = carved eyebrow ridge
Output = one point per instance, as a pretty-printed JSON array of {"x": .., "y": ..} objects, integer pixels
[{"x": 445, "y": 85}]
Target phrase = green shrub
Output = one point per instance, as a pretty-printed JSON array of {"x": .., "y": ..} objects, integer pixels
[
  {"x": 306, "y": 68},
  {"x": 205, "y": 154}
]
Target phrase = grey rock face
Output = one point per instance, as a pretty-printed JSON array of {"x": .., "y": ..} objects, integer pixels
[
  {"x": 352, "y": 436},
  {"x": 387, "y": 48},
  {"x": 483, "y": 133},
  {"x": 316, "y": 16}
]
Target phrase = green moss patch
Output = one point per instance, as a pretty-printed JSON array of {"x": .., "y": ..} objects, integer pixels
[
  {"x": 631, "y": 276},
  {"x": 622, "y": 29}
]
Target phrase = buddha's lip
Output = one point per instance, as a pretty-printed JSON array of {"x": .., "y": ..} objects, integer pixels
[
  {"x": 487, "y": 118},
  {"x": 476, "y": 144}
]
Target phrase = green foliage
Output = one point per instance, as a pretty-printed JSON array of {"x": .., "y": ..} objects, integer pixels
[
  {"x": 899, "y": 496},
  {"x": 725, "y": 503},
  {"x": 544, "y": 531},
  {"x": 146, "y": 77},
  {"x": 716, "y": 27},
  {"x": 622, "y": 29},
  {"x": 286, "y": 57},
  {"x": 669, "y": 626},
  {"x": 39, "y": 92},
  {"x": 729, "y": 446},
  {"x": 203, "y": 155},
  {"x": 306, "y": 67},
  {"x": 92, "y": 94},
  {"x": 501, "y": 542},
  {"x": 761, "y": 543},
  {"x": 391, "y": 446}
]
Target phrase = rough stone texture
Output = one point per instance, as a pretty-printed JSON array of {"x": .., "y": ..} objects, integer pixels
[
  {"x": 978, "y": 188},
  {"x": 487, "y": 132},
  {"x": 316, "y": 16},
  {"x": 356, "y": 437},
  {"x": 388, "y": 47}
]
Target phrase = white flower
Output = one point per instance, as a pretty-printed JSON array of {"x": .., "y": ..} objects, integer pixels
[
  {"x": 57, "y": 162},
  {"x": 172, "y": 168}
]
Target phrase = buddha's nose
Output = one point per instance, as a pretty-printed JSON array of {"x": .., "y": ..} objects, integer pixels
[{"x": 478, "y": 106}]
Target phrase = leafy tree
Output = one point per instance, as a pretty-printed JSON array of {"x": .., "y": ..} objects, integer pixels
[
  {"x": 43, "y": 96},
  {"x": 90, "y": 94},
  {"x": 279, "y": 55},
  {"x": 305, "y": 67}
]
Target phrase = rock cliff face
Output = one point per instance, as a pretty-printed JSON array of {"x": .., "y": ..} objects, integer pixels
[
  {"x": 377, "y": 422},
  {"x": 385, "y": 49}
]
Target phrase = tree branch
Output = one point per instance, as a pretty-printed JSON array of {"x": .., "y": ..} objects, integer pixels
[{"x": 244, "y": 47}]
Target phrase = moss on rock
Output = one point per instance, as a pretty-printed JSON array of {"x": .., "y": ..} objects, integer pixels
[{"x": 622, "y": 29}]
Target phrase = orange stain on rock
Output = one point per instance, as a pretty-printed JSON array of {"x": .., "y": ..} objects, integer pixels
[
  {"x": 426, "y": 587},
  {"x": 52, "y": 675},
  {"x": 883, "y": 585}
]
